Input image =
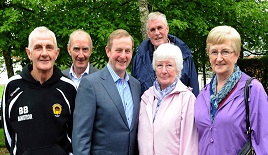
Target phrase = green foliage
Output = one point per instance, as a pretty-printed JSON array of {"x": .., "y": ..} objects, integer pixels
[
  {"x": 62, "y": 17},
  {"x": 189, "y": 20}
]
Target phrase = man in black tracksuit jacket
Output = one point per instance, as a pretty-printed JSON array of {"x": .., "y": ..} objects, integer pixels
[{"x": 38, "y": 103}]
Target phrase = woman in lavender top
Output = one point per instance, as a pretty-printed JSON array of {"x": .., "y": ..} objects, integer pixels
[{"x": 220, "y": 114}]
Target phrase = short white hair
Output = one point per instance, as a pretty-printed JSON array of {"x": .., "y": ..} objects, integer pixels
[
  {"x": 154, "y": 16},
  {"x": 169, "y": 51},
  {"x": 36, "y": 32}
]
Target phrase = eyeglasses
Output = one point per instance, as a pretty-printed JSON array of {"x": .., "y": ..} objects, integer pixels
[{"x": 224, "y": 53}]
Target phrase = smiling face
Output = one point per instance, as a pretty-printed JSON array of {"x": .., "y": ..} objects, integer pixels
[
  {"x": 43, "y": 52},
  {"x": 80, "y": 51},
  {"x": 120, "y": 54},
  {"x": 166, "y": 72},
  {"x": 223, "y": 66},
  {"x": 157, "y": 31}
]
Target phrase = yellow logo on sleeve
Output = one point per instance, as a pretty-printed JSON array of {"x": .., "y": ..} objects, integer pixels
[{"x": 57, "y": 108}]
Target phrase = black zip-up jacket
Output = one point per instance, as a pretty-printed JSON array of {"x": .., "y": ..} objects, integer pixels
[{"x": 37, "y": 118}]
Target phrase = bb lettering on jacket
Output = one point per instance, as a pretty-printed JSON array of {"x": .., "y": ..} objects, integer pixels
[{"x": 23, "y": 114}]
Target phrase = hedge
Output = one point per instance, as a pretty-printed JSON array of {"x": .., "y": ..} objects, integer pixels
[{"x": 256, "y": 67}]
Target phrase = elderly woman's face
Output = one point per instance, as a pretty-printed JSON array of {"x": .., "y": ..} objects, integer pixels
[
  {"x": 222, "y": 58},
  {"x": 166, "y": 72}
]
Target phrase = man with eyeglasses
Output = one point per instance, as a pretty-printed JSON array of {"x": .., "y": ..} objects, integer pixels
[{"x": 80, "y": 48}]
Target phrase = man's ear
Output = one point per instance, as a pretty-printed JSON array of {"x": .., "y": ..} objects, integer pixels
[
  {"x": 69, "y": 49},
  {"x": 57, "y": 53},
  {"x": 107, "y": 51},
  {"x": 28, "y": 53},
  {"x": 90, "y": 52}
]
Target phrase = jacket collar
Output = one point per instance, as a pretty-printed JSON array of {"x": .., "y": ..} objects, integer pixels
[
  {"x": 148, "y": 96},
  {"x": 205, "y": 93}
]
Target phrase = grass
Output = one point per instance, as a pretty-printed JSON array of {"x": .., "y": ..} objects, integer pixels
[
  {"x": 1, "y": 90},
  {"x": 2, "y": 138},
  {"x": 2, "y": 143}
]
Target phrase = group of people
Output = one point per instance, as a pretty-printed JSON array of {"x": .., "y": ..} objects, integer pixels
[{"x": 158, "y": 109}]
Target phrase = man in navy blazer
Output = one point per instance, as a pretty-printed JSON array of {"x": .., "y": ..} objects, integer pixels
[{"x": 107, "y": 104}]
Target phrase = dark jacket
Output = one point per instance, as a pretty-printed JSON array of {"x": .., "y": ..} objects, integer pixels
[
  {"x": 143, "y": 71},
  {"x": 38, "y": 118}
]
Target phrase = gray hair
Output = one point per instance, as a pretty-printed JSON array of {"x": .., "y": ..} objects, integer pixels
[
  {"x": 169, "y": 51},
  {"x": 36, "y": 32},
  {"x": 156, "y": 15},
  {"x": 80, "y": 31}
]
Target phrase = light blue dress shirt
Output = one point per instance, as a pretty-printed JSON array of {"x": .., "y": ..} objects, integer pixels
[
  {"x": 124, "y": 92},
  {"x": 74, "y": 78}
]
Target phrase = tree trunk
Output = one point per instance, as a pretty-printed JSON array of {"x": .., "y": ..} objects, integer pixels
[
  {"x": 8, "y": 62},
  {"x": 143, "y": 8}
]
